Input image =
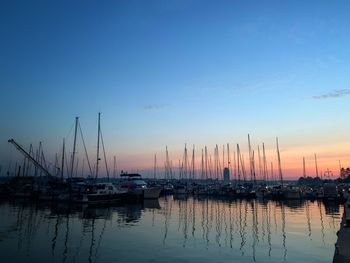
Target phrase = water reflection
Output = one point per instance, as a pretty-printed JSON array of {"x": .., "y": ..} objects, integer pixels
[
  {"x": 283, "y": 226},
  {"x": 61, "y": 224},
  {"x": 251, "y": 225},
  {"x": 256, "y": 231},
  {"x": 321, "y": 221}
]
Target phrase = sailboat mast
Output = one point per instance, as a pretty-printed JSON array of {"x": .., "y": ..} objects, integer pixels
[
  {"x": 114, "y": 166},
  {"x": 171, "y": 170},
  {"x": 202, "y": 166},
  {"x": 74, "y": 145},
  {"x": 265, "y": 164},
  {"x": 98, "y": 144},
  {"x": 24, "y": 166},
  {"x": 185, "y": 163},
  {"x": 211, "y": 172},
  {"x": 316, "y": 165},
  {"x": 234, "y": 167},
  {"x": 228, "y": 156},
  {"x": 279, "y": 163},
  {"x": 304, "y": 171},
  {"x": 155, "y": 166},
  {"x": 206, "y": 162},
  {"x": 223, "y": 156},
  {"x": 167, "y": 165},
  {"x": 244, "y": 171},
  {"x": 238, "y": 170},
  {"x": 40, "y": 156},
  {"x": 62, "y": 164},
  {"x": 29, "y": 164},
  {"x": 55, "y": 169},
  {"x": 193, "y": 163},
  {"x": 251, "y": 163},
  {"x": 216, "y": 161},
  {"x": 261, "y": 176}
]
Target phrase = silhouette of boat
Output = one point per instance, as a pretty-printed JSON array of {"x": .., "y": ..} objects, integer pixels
[{"x": 137, "y": 188}]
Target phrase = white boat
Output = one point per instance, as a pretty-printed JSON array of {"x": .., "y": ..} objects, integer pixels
[{"x": 138, "y": 188}]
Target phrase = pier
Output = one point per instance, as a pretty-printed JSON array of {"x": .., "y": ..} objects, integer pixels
[{"x": 342, "y": 252}]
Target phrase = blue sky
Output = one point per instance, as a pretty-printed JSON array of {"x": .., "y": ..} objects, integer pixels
[{"x": 174, "y": 72}]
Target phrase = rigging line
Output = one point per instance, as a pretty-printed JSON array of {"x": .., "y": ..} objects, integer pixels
[
  {"x": 100, "y": 238},
  {"x": 87, "y": 157},
  {"x": 70, "y": 130},
  {"x": 104, "y": 154}
]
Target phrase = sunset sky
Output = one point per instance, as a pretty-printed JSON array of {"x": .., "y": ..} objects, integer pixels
[{"x": 166, "y": 73}]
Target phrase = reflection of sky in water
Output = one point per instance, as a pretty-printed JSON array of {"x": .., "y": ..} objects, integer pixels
[{"x": 174, "y": 229}]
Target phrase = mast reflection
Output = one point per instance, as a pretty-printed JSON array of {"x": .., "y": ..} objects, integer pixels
[{"x": 255, "y": 230}]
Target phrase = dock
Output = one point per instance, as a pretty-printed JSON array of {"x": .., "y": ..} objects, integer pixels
[{"x": 342, "y": 251}]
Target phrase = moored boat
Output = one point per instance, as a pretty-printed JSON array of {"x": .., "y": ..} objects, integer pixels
[
  {"x": 137, "y": 188},
  {"x": 291, "y": 193},
  {"x": 104, "y": 193}
]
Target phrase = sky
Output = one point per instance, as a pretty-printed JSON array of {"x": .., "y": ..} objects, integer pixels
[{"x": 170, "y": 73}]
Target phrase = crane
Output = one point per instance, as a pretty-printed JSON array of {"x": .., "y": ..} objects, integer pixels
[{"x": 27, "y": 155}]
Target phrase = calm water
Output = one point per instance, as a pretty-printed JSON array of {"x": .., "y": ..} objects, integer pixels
[{"x": 170, "y": 230}]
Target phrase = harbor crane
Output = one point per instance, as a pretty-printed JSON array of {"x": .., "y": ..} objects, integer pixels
[{"x": 27, "y": 155}]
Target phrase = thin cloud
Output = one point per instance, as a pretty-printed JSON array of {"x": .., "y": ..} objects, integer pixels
[
  {"x": 151, "y": 107},
  {"x": 273, "y": 83},
  {"x": 333, "y": 94},
  {"x": 221, "y": 86}
]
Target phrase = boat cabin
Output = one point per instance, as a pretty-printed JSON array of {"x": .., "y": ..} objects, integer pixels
[{"x": 132, "y": 181}]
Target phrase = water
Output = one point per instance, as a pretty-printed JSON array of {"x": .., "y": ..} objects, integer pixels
[{"x": 170, "y": 230}]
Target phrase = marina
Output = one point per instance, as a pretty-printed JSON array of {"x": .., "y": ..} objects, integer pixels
[
  {"x": 174, "y": 131},
  {"x": 238, "y": 210},
  {"x": 173, "y": 228}
]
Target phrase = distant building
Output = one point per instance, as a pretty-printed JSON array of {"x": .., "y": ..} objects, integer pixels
[{"x": 226, "y": 174}]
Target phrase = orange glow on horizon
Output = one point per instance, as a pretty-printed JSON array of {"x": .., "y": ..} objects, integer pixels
[{"x": 328, "y": 156}]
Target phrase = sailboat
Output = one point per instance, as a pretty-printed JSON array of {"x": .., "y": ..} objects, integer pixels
[
  {"x": 277, "y": 192},
  {"x": 289, "y": 191},
  {"x": 136, "y": 188},
  {"x": 101, "y": 193}
]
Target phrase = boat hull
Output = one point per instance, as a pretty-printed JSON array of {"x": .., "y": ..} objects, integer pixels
[
  {"x": 292, "y": 195},
  {"x": 105, "y": 199},
  {"x": 151, "y": 193}
]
